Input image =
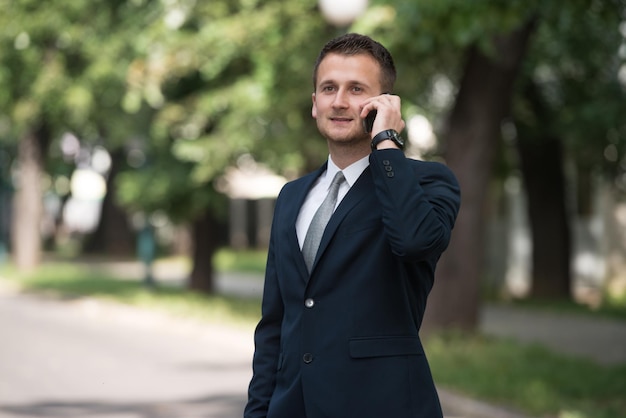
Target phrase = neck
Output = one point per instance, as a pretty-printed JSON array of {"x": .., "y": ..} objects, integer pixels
[{"x": 345, "y": 154}]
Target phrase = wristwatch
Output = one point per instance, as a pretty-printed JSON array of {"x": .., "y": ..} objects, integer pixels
[{"x": 387, "y": 134}]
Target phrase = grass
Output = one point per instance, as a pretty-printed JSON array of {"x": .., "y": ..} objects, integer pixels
[
  {"x": 67, "y": 280},
  {"x": 248, "y": 261},
  {"x": 528, "y": 378}
]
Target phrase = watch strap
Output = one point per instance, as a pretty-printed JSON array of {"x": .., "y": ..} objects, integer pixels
[{"x": 390, "y": 134}]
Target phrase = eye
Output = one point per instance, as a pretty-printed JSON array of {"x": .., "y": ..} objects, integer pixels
[
  {"x": 328, "y": 88},
  {"x": 357, "y": 89}
]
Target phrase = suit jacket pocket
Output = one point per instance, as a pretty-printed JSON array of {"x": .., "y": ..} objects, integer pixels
[{"x": 364, "y": 347}]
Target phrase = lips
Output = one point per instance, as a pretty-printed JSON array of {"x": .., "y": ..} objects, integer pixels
[{"x": 340, "y": 119}]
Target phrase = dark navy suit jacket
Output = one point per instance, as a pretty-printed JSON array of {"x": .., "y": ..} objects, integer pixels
[{"x": 343, "y": 341}]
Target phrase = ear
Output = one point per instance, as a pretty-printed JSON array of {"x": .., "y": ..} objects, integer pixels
[{"x": 314, "y": 107}]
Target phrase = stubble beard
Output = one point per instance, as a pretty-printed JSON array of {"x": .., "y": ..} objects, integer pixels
[{"x": 351, "y": 139}]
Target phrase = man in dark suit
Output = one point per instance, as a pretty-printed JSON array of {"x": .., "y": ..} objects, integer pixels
[{"x": 338, "y": 336}]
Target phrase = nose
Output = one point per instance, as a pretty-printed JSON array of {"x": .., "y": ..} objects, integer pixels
[{"x": 341, "y": 100}]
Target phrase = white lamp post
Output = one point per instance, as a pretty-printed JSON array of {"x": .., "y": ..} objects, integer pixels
[{"x": 342, "y": 13}]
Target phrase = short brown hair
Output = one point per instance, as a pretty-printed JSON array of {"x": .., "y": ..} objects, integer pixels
[{"x": 353, "y": 44}]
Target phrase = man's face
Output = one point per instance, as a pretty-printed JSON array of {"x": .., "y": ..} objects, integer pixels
[{"x": 343, "y": 83}]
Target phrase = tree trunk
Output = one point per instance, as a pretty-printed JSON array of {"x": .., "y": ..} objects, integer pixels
[
  {"x": 542, "y": 165},
  {"x": 205, "y": 236},
  {"x": 27, "y": 202},
  {"x": 114, "y": 235},
  {"x": 473, "y": 133},
  {"x": 542, "y": 169}
]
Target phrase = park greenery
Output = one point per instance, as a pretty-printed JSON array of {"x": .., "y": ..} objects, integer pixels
[
  {"x": 177, "y": 91},
  {"x": 527, "y": 378}
]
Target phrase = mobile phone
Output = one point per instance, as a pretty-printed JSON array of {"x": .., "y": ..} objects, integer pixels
[{"x": 368, "y": 122}]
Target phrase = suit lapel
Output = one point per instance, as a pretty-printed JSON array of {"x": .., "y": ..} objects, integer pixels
[{"x": 296, "y": 200}]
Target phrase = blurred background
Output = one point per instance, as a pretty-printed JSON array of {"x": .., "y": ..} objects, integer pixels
[{"x": 148, "y": 130}]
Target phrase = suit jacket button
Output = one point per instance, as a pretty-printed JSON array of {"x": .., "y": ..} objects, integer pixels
[
  {"x": 309, "y": 303},
  {"x": 390, "y": 174},
  {"x": 307, "y": 358}
]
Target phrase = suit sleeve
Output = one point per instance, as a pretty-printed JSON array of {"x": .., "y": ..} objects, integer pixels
[
  {"x": 420, "y": 201},
  {"x": 266, "y": 338}
]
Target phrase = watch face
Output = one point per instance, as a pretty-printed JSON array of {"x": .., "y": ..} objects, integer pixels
[{"x": 398, "y": 140}]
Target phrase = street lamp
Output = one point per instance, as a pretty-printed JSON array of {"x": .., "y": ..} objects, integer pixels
[{"x": 342, "y": 13}]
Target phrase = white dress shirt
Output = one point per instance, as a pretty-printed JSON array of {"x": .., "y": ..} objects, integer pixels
[{"x": 318, "y": 192}]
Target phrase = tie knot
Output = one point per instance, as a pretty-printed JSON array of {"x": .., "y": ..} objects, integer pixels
[{"x": 338, "y": 179}]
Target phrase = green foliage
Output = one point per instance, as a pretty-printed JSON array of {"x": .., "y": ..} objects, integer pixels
[
  {"x": 574, "y": 64},
  {"x": 59, "y": 66},
  {"x": 221, "y": 81},
  {"x": 164, "y": 186},
  {"x": 429, "y": 38},
  {"x": 206, "y": 82},
  {"x": 460, "y": 23},
  {"x": 574, "y": 59}
]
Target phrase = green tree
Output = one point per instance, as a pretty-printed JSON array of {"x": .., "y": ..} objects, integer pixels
[
  {"x": 482, "y": 47},
  {"x": 222, "y": 80},
  {"x": 568, "y": 108},
  {"x": 62, "y": 68},
  {"x": 478, "y": 48}
]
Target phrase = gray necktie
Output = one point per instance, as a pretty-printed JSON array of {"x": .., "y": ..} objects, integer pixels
[{"x": 320, "y": 219}]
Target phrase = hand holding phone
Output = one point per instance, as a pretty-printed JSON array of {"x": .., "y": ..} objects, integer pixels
[{"x": 368, "y": 122}]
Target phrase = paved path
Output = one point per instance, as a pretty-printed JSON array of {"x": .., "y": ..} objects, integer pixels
[
  {"x": 88, "y": 359},
  {"x": 599, "y": 339}
]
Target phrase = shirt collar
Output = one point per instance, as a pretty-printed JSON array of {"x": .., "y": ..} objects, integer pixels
[{"x": 351, "y": 172}]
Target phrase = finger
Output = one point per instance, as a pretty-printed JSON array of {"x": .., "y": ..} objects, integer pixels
[{"x": 367, "y": 108}]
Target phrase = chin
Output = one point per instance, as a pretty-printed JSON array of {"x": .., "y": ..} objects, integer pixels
[{"x": 351, "y": 140}]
